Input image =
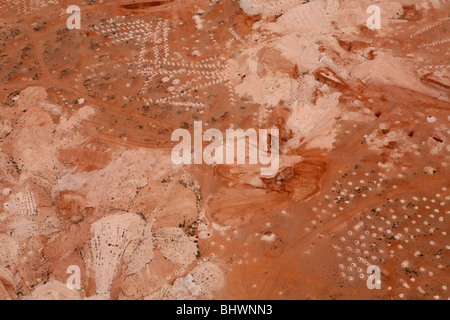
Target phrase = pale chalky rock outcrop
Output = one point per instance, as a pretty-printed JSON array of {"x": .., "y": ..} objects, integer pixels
[{"x": 176, "y": 246}]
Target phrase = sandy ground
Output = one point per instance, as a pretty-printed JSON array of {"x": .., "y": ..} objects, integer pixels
[{"x": 86, "y": 177}]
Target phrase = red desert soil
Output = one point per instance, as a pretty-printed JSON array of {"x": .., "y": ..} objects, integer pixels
[{"x": 87, "y": 180}]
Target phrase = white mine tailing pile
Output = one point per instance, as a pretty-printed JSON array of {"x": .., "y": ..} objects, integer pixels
[{"x": 112, "y": 236}]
